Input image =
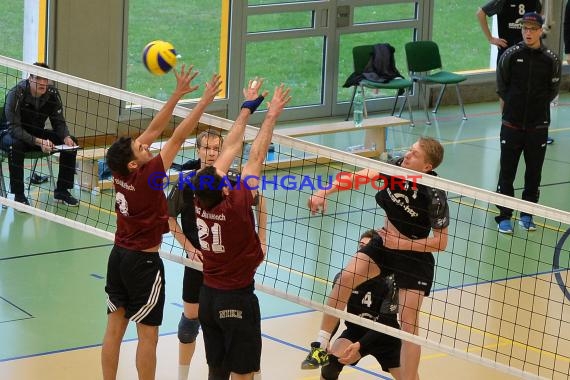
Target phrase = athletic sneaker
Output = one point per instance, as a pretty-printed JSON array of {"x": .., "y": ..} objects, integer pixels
[
  {"x": 65, "y": 197},
  {"x": 526, "y": 223},
  {"x": 316, "y": 358},
  {"x": 505, "y": 226},
  {"x": 37, "y": 179},
  {"x": 549, "y": 140},
  {"x": 21, "y": 199}
]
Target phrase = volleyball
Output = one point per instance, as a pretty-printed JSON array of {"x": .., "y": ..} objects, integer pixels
[{"x": 159, "y": 57}]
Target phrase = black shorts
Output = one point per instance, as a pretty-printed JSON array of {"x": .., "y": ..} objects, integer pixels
[
  {"x": 191, "y": 285},
  {"x": 413, "y": 270},
  {"x": 135, "y": 281},
  {"x": 386, "y": 348},
  {"x": 231, "y": 323}
]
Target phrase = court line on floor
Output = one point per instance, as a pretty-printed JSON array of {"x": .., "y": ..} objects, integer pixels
[
  {"x": 501, "y": 340},
  {"x": 54, "y": 252},
  {"x": 16, "y": 320},
  {"x": 16, "y": 307}
]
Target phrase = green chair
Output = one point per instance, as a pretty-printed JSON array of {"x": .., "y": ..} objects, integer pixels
[
  {"x": 360, "y": 57},
  {"x": 423, "y": 57},
  {"x": 34, "y": 155}
]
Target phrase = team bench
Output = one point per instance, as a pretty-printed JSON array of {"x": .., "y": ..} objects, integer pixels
[{"x": 374, "y": 144}]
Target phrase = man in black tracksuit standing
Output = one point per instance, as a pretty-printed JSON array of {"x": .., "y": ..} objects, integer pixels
[{"x": 528, "y": 78}]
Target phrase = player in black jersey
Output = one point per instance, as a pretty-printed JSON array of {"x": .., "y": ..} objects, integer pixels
[
  {"x": 181, "y": 203},
  {"x": 508, "y": 12},
  {"x": 416, "y": 222},
  {"x": 375, "y": 299}
]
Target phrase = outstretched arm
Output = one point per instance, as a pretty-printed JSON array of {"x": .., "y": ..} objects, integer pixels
[
  {"x": 345, "y": 181},
  {"x": 160, "y": 121},
  {"x": 187, "y": 126},
  {"x": 234, "y": 140},
  {"x": 261, "y": 143}
]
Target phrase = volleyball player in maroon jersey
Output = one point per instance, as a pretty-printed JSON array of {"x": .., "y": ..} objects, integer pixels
[
  {"x": 181, "y": 203},
  {"x": 135, "y": 272},
  {"x": 229, "y": 310}
]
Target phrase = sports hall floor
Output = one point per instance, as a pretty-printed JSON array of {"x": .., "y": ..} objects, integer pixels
[{"x": 52, "y": 301}]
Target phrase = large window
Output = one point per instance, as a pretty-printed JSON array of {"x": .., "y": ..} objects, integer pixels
[
  {"x": 193, "y": 27},
  {"x": 12, "y": 21},
  {"x": 457, "y": 32}
]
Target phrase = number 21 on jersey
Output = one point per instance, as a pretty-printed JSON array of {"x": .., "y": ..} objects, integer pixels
[{"x": 204, "y": 232}]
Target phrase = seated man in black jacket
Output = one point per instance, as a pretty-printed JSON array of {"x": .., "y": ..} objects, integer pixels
[{"x": 28, "y": 106}]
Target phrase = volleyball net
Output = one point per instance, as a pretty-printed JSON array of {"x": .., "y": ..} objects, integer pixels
[{"x": 498, "y": 300}]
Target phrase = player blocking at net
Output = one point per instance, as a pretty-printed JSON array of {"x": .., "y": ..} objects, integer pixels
[
  {"x": 135, "y": 272},
  {"x": 229, "y": 310},
  {"x": 417, "y": 218},
  {"x": 181, "y": 202}
]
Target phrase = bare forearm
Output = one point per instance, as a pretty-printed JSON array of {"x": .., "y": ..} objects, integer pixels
[
  {"x": 187, "y": 126},
  {"x": 160, "y": 120},
  {"x": 234, "y": 140},
  {"x": 179, "y": 235},
  {"x": 420, "y": 245},
  {"x": 482, "y": 18},
  {"x": 262, "y": 141},
  {"x": 348, "y": 181}
]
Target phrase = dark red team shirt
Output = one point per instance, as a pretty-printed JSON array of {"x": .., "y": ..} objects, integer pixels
[
  {"x": 228, "y": 240},
  {"x": 142, "y": 215}
]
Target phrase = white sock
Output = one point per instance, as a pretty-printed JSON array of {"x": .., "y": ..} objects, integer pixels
[
  {"x": 183, "y": 371},
  {"x": 324, "y": 338}
]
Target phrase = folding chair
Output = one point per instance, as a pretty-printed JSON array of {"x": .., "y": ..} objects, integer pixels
[
  {"x": 423, "y": 57},
  {"x": 360, "y": 57}
]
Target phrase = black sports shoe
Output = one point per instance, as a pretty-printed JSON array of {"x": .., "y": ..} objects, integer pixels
[
  {"x": 21, "y": 199},
  {"x": 65, "y": 197},
  {"x": 316, "y": 358},
  {"x": 38, "y": 179}
]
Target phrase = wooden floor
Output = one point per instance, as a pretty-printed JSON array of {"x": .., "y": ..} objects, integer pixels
[{"x": 52, "y": 302}]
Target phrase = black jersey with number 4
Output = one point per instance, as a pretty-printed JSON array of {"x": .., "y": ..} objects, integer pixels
[
  {"x": 412, "y": 208},
  {"x": 375, "y": 299}
]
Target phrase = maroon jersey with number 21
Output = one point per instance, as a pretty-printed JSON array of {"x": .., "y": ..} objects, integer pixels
[{"x": 228, "y": 240}]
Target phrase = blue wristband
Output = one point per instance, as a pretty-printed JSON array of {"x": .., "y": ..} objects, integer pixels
[{"x": 252, "y": 105}]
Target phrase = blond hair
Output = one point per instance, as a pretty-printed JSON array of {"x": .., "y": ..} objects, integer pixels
[{"x": 433, "y": 150}]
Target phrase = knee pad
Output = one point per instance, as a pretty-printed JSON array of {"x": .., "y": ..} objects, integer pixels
[
  {"x": 218, "y": 374},
  {"x": 188, "y": 329},
  {"x": 332, "y": 370}
]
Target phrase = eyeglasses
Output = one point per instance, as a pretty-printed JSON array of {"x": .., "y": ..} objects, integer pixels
[
  {"x": 532, "y": 29},
  {"x": 42, "y": 80}
]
